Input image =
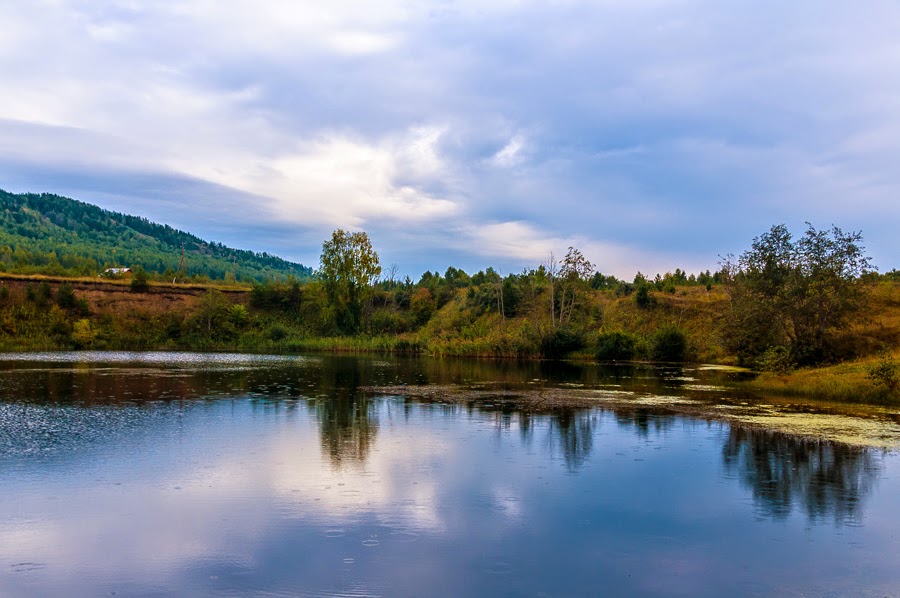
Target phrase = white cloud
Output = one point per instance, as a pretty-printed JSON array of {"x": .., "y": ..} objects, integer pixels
[
  {"x": 529, "y": 245},
  {"x": 392, "y": 115},
  {"x": 340, "y": 181},
  {"x": 509, "y": 154}
]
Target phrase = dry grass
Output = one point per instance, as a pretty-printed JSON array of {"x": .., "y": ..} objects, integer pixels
[{"x": 842, "y": 382}]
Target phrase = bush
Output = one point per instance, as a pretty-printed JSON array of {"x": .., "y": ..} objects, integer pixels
[
  {"x": 83, "y": 334},
  {"x": 642, "y": 297},
  {"x": 777, "y": 360},
  {"x": 44, "y": 294},
  {"x": 238, "y": 316},
  {"x": 65, "y": 296},
  {"x": 615, "y": 346},
  {"x": 82, "y": 307},
  {"x": 885, "y": 373},
  {"x": 386, "y": 321},
  {"x": 277, "y": 333},
  {"x": 559, "y": 342},
  {"x": 669, "y": 344},
  {"x": 139, "y": 281}
]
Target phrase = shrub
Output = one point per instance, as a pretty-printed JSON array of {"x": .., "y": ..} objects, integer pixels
[
  {"x": 777, "y": 360},
  {"x": 615, "y": 346},
  {"x": 642, "y": 297},
  {"x": 44, "y": 294},
  {"x": 65, "y": 296},
  {"x": 669, "y": 344},
  {"x": 277, "y": 333},
  {"x": 83, "y": 334},
  {"x": 58, "y": 324},
  {"x": 885, "y": 373},
  {"x": 387, "y": 321},
  {"x": 238, "y": 316},
  {"x": 82, "y": 307},
  {"x": 139, "y": 281},
  {"x": 559, "y": 342}
]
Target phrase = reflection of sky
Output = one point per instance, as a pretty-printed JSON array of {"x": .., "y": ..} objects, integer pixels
[{"x": 240, "y": 495}]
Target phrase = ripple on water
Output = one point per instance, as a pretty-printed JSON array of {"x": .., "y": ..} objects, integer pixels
[{"x": 25, "y": 567}]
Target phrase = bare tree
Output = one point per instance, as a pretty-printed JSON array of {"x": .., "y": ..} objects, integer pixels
[
  {"x": 575, "y": 271},
  {"x": 392, "y": 274},
  {"x": 552, "y": 270}
]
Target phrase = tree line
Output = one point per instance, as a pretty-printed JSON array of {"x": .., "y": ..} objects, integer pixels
[{"x": 785, "y": 302}]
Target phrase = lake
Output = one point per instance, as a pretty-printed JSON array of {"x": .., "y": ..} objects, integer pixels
[{"x": 172, "y": 474}]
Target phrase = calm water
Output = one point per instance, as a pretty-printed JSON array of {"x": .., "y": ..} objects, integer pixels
[{"x": 180, "y": 474}]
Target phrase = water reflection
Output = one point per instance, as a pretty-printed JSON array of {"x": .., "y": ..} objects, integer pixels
[
  {"x": 242, "y": 476},
  {"x": 783, "y": 472},
  {"x": 644, "y": 421},
  {"x": 825, "y": 479},
  {"x": 572, "y": 434}
]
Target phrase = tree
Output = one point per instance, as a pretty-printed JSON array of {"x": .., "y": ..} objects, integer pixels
[
  {"x": 574, "y": 274},
  {"x": 139, "y": 281},
  {"x": 348, "y": 268},
  {"x": 642, "y": 297},
  {"x": 65, "y": 296},
  {"x": 794, "y": 293}
]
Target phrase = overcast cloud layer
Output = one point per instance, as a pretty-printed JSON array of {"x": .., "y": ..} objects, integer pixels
[{"x": 652, "y": 135}]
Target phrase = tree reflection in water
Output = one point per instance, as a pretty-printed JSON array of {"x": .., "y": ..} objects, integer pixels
[
  {"x": 643, "y": 421},
  {"x": 823, "y": 478},
  {"x": 348, "y": 421},
  {"x": 783, "y": 472},
  {"x": 572, "y": 434}
]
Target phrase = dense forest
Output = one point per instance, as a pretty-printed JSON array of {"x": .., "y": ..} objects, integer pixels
[{"x": 58, "y": 236}]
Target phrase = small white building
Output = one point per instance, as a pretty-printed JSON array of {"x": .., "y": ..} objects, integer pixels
[{"x": 109, "y": 272}]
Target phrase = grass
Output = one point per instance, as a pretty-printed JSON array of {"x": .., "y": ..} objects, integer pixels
[
  {"x": 225, "y": 287},
  {"x": 848, "y": 382},
  {"x": 167, "y": 318},
  {"x": 351, "y": 344}
]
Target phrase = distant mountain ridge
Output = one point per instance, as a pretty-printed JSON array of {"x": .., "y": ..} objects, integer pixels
[{"x": 50, "y": 234}]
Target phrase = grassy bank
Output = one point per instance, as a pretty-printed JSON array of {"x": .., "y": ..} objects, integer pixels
[
  {"x": 684, "y": 324},
  {"x": 846, "y": 382}
]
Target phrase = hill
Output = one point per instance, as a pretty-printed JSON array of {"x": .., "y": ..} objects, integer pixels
[{"x": 54, "y": 235}]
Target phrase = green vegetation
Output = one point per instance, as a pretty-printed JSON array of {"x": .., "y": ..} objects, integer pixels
[
  {"x": 785, "y": 304},
  {"x": 53, "y": 235},
  {"x": 140, "y": 283},
  {"x": 864, "y": 380},
  {"x": 349, "y": 268},
  {"x": 884, "y": 373},
  {"x": 795, "y": 295}
]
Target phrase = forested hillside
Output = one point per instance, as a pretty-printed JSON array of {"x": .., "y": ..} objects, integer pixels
[{"x": 49, "y": 234}]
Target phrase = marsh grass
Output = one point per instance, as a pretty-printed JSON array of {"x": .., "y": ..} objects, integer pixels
[{"x": 849, "y": 382}]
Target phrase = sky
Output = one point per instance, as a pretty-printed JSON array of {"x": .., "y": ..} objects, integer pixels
[{"x": 649, "y": 134}]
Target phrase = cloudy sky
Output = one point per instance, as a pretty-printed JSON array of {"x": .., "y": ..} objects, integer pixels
[{"x": 651, "y": 134}]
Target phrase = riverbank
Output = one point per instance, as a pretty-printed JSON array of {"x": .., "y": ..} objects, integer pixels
[
  {"x": 47, "y": 313},
  {"x": 850, "y": 382}
]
